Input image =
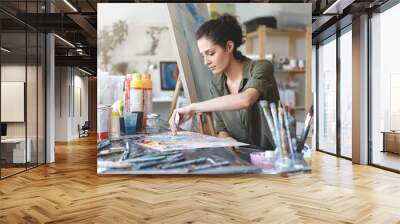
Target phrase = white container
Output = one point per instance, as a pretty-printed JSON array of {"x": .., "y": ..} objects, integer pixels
[
  {"x": 136, "y": 93},
  {"x": 301, "y": 64},
  {"x": 293, "y": 63},
  {"x": 115, "y": 126},
  {"x": 103, "y": 122},
  {"x": 152, "y": 125}
]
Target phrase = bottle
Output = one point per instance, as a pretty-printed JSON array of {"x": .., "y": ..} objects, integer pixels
[
  {"x": 115, "y": 126},
  {"x": 147, "y": 96},
  {"x": 136, "y": 99},
  {"x": 136, "y": 93},
  {"x": 127, "y": 87}
]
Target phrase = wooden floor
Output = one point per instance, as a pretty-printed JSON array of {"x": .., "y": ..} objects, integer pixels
[
  {"x": 10, "y": 171},
  {"x": 70, "y": 191},
  {"x": 386, "y": 159}
]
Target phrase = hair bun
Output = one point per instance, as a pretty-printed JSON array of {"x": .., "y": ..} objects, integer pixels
[{"x": 228, "y": 19}]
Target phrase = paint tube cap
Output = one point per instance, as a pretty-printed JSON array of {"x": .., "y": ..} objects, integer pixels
[{"x": 136, "y": 81}]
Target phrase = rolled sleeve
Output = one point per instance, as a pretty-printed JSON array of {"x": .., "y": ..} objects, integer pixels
[{"x": 262, "y": 78}]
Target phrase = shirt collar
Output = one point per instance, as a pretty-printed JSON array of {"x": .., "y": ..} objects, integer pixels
[{"x": 245, "y": 74}]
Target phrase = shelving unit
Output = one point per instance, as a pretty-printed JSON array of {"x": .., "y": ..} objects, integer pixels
[
  {"x": 291, "y": 71},
  {"x": 163, "y": 99},
  {"x": 292, "y": 34}
]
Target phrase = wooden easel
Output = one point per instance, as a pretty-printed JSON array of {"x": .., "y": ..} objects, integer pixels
[{"x": 209, "y": 120}]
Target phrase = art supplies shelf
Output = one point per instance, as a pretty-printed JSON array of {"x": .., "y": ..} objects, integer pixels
[
  {"x": 263, "y": 32},
  {"x": 162, "y": 99},
  {"x": 257, "y": 47}
]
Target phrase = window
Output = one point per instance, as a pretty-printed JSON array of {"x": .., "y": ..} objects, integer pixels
[
  {"x": 385, "y": 88},
  {"x": 327, "y": 96},
  {"x": 346, "y": 93}
]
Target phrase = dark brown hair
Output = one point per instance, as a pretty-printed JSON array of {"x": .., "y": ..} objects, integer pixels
[{"x": 222, "y": 29}]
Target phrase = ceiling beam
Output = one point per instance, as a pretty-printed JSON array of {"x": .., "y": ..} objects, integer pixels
[
  {"x": 337, "y": 7},
  {"x": 84, "y": 24},
  {"x": 75, "y": 61}
]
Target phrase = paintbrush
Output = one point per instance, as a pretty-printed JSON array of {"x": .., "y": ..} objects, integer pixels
[
  {"x": 110, "y": 151},
  {"x": 276, "y": 124},
  {"x": 166, "y": 153},
  {"x": 137, "y": 154},
  {"x": 171, "y": 159},
  {"x": 208, "y": 166},
  {"x": 126, "y": 153},
  {"x": 145, "y": 159},
  {"x": 307, "y": 125},
  {"x": 185, "y": 163},
  {"x": 176, "y": 121},
  {"x": 169, "y": 153},
  {"x": 291, "y": 148},
  {"x": 268, "y": 117},
  {"x": 282, "y": 133},
  {"x": 286, "y": 119}
]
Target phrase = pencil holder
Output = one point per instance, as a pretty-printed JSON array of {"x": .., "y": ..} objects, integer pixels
[
  {"x": 283, "y": 163},
  {"x": 263, "y": 160}
]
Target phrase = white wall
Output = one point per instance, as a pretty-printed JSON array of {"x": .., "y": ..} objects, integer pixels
[
  {"x": 67, "y": 114},
  {"x": 139, "y": 18}
]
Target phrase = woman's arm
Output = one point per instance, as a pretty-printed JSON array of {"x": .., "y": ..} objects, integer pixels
[
  {"x": 226, "y": 135},
  {"x": 225, "y": 103}
]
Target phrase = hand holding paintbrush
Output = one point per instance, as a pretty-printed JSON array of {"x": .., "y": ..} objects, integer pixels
[{"x": 179, "y": 116}]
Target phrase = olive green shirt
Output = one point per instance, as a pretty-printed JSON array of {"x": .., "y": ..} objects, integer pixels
[{"x": 249, "y": 124}]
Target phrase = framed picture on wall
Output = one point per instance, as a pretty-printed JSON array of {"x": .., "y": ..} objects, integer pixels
[{"x": 169, "y": 75}]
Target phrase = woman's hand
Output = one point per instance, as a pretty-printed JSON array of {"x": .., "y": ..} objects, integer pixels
[
  {"x": 179, "y": 116},
  {"x": 226, "y": 135}
]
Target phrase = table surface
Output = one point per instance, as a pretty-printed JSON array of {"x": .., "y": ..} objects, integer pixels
[{"x": 239, "y": 161}]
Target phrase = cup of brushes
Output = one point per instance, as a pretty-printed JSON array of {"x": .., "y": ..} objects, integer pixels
[{"x": 284, "y": 155}]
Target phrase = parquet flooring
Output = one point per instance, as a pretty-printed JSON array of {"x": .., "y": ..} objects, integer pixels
[
  {"x": 70, "y": 191},
  {"x": 10, "y": 171}
]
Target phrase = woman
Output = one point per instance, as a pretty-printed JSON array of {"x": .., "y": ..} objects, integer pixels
[{"x": 239, "y": 83}]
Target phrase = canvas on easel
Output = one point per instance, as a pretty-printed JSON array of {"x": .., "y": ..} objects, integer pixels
[{"x": 185, "y": 20}]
